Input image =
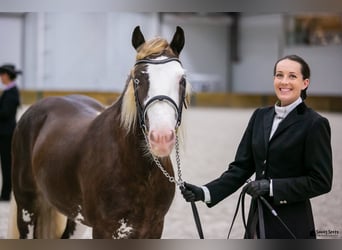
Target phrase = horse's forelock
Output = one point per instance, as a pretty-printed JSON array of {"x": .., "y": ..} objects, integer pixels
[{"x": 156, "y": 46}]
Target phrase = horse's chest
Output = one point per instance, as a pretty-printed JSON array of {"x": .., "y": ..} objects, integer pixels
[{"x": 156, "y": 194}]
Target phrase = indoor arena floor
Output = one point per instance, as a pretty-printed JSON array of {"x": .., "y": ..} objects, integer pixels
[{"x": 211, "y": 139}]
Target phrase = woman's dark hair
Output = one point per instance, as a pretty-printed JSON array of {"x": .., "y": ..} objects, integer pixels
[
  {"x": 10, "y": 70},
  {"x": 305, "y": 69},
  {"x": 12, "y": 76}
]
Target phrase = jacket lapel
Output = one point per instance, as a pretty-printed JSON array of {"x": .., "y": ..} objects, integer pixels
[
  {"x": 292, "y": 118},
  {"x": 268, "y": 121}
]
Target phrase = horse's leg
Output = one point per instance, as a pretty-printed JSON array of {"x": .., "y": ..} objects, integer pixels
[
  {"x": 39, "y": 220},
  {"x": 126, "y": 232},
  {"x": 26, "y": 220},
  {"x": 75, "y": 230},
  {"x": 121, "y": 229},
  {"x": 156, "y": 231},
  {"x": 12, "y": 229},
  {"x": 50, "y": 224},
  {"x": 69, "y": 229},
  {"x": 100, "y": 233}
]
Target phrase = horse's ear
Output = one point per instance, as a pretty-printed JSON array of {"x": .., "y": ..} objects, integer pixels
[
  {"x": 137, "y": 38},
  {"x": 178, "y": 40}
]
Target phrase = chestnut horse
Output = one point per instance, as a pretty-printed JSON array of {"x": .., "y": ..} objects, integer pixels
[{"x": 78, "y": 163}]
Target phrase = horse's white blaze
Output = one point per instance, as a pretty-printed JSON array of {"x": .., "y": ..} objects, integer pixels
[
  {"x": 164, "y": 79},
  {"x": 123, "y": 231}
]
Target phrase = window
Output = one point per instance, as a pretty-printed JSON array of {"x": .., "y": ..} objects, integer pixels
[{"x": 314, "y": 29}]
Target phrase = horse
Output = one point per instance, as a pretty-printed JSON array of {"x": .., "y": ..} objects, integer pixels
[{"x": 78, "y": 164}]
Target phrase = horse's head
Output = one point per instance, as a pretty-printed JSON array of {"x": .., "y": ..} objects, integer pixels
[{"x": 158, "y": 88}]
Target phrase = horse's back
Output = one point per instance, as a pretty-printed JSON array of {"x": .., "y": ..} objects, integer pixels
[
  {"x": 75, "y": 109},
  {"x": 78, "y": 105}
]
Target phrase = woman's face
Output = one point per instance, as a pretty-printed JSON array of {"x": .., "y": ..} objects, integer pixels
[
  {"x": 288, "y": 81},
  {"x": 5, "y": 79}
]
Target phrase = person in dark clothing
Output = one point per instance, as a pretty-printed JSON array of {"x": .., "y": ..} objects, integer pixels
[
  {"x": 288, "y": 147},
  {"x": 9, "y": 102}
]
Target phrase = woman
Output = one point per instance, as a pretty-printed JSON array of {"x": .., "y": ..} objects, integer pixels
[
  {"x": 288, "y": 148},
  {"x": 9, "y": 102}
]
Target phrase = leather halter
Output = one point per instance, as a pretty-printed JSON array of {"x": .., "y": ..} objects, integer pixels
[{"x": 142, "y": 110}]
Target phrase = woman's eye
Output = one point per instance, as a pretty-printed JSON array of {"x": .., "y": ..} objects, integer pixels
[
  {"x": 279, "y": 76},
  {"x": 292, "y": 77}
]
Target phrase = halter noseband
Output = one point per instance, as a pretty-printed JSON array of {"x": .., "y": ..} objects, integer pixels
[{"x": 142, "y": 111}]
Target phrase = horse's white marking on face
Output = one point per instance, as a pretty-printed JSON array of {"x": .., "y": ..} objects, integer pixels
[
  {"x": 124, "y": 231},
  {"x": 164, "y": 80}
]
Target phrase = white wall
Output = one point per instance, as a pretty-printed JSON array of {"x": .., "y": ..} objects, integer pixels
[
  {"x": 205, "y": 54},
  {"x": 82, "y": 51},
  {"x": 11, "y": 40},
  {"x": 326, "y": 67},
  {"x": 93, "y": 51},
  {"x": 259, "y": 47}
]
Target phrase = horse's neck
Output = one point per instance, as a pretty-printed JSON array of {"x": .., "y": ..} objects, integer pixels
[
  {"x": 109, "y": 122},
  {"x": 131, "y": 147}
]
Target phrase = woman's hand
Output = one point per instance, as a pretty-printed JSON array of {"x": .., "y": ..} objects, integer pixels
[
  {"x": 258, "y": 188},
  {"x": 192, "y": 193}
]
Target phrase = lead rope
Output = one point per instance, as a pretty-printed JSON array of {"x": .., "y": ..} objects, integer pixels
[
  {"x": 269, "y": 207},
  {"x": 179, "y": 182}
]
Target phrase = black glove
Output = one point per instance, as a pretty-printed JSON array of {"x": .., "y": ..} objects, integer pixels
[
  {"x": 258, "y": 188},
  {"x": 192, "y": 192}
]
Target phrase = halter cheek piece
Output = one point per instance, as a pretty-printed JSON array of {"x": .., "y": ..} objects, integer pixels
[{"x": 142, "y": 111}]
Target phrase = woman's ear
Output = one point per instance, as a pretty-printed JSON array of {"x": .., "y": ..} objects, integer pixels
[{"x": 306, "y": 83}]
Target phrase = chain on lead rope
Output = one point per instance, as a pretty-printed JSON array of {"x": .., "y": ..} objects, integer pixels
[
  {"x": 178, "y": 182},
  {"x": 171, "y": 179}
]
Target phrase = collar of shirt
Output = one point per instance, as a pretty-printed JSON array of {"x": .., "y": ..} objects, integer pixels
[
  {"x": 9, "y": 86},
  {"x": 282, "y": 112}
]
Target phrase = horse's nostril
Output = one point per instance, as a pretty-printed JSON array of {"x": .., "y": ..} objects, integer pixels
[
  {"x": 153, "y": 136},
  {"x": 169, "y": 136},
  {"x": 162, "y": 137}
]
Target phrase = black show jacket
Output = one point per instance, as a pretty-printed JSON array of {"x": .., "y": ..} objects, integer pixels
[
  {"x": 9, "y": 102},
  {"x": 298, "y": 159}
]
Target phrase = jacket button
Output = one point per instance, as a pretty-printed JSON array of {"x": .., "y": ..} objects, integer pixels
[
  {"x": 265, "y": 162},
  {"x": 263, "y": 172}
]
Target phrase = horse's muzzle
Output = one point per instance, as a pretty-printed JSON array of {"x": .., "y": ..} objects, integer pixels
[{"x": 161, "y": 142}]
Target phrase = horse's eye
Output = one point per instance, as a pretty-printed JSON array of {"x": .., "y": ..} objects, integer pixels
[
  {"x": 136, "y": 81},
  {"x": 182, "y": 81}
]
